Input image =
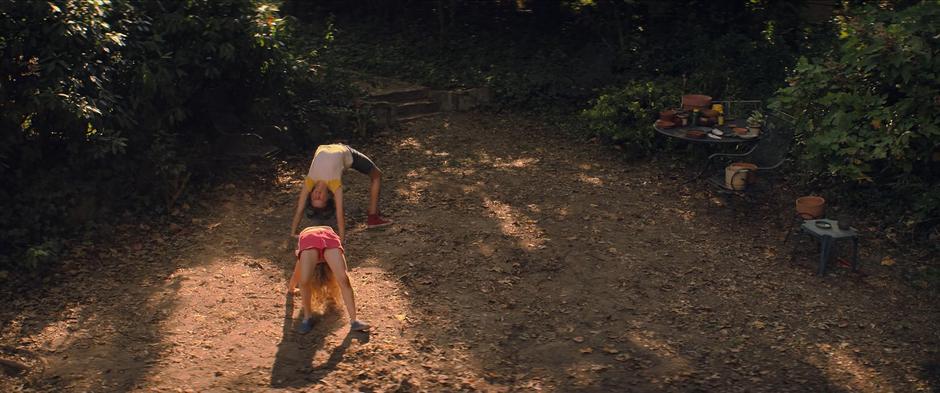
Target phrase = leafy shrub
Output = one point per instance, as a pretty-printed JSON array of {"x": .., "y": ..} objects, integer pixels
[
  {"x": 625, "y": 116},
  {"x": 110, "y": 105},
  {"x": 869, "y": 110}
]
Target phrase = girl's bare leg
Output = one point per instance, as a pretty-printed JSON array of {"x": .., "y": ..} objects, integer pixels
[
  {"x": 337, "y": 262},
  {"x": 307, "y": 263},
  {"x": 375, "y": 186}
]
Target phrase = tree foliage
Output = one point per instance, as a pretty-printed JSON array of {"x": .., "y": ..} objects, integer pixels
[
  {"x": 106, "y": 104},
  {"x": 869, "y": 110},
  {"x": 624, "y": 116}
]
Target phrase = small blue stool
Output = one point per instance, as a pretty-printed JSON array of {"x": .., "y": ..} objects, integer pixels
[{"x": 827, "y": 238}]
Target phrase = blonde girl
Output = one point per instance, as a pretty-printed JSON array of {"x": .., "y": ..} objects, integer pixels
[{"x": 321, "y": 272}]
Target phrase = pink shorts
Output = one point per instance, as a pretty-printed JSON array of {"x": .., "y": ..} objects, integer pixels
[{"x": 318, "y": 238}]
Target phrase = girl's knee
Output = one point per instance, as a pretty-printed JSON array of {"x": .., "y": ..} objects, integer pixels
[{"x": 342, "y": 279}]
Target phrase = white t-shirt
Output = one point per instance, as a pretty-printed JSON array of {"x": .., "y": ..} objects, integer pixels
[{"x": 328, "y": 164}]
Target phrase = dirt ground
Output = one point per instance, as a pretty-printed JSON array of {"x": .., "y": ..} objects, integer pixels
[{"x": 521, "y": 260}]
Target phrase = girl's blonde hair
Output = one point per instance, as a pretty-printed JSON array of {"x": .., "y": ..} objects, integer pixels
[{"x": 323, "y": 288}]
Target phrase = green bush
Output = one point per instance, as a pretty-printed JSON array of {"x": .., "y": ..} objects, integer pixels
[
  {"x": 112, "y": 105},
  {"x": 869, "y": 111},
  {"x": 625, "y": 116}
]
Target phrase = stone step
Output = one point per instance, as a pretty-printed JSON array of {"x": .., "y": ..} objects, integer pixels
[
  {"x": 416, "y": 108},
  {"x": 401, "y": 96},
  {"x": 406, "y": 119}
]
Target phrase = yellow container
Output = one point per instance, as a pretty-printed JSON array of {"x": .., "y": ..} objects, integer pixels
[{"x": 721, "y": 113}]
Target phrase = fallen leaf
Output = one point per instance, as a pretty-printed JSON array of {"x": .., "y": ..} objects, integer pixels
[
  {"x": 887, "y": 261},
  {"x": 587, "y": 350},
  {"x": 578, "y": 339},
  {"x": 400, "y": 317},
  {"x": 610, "y": 350},
  {"x": 622, "y": 357}
]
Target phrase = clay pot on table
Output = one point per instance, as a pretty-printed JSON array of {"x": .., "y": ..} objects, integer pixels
[
  {"x": 695, "y": 134},
  {"x": 664, "y": 124},
  {"x": 692, "y": 101},
  {"x": 682, "y": 119},
  {"x": 810, "y": 207},
  {"x": 668, "y": 115}
]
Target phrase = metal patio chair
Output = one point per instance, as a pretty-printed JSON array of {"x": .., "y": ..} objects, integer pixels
[{"x": 768, "y": 154}]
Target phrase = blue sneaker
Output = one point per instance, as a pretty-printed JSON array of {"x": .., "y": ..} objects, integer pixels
[
  {"x": 358, "y": 326},
  {"x": 306, "y": 326}
]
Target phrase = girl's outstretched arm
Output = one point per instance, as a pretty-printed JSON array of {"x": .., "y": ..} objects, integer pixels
[
  {"x": 340, "y": 218},
  {"x": 294, "y": 278},
  {"x": 304, "y": 194}
]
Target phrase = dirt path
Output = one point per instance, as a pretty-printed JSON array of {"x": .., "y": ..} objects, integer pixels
[{"x": 520, "y": 261}]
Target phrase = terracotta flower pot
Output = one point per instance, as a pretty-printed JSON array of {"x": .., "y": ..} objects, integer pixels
[
  {"x": 695, "y": 134},
  {"x": 664, "y": 124},
  {"x": 692, "y": 101},
  {"x": 736, "y": 176},
  {"x": 810, "y": 207},
  {"x": 751, "y": 171},
  {"x": 667, "y": 115}
]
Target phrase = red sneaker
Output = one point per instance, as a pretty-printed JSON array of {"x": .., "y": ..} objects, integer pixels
[{"x": 376, "y": 221}]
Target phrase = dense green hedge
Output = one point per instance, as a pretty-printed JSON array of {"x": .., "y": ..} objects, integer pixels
[
  {"x": 743, "y": 53},
  {"x": 625, "y": 116},
  {"x": 106, "y": 105},
  {"x": 869, "y": 110}
]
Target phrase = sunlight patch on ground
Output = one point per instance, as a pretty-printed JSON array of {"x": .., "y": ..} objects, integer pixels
[
  {"x": 409, "y": 143},
  {"x": 213, "y": 311},
  {"x": 71, "y": 325},
  {"x": 288, "y": 179},
  {"x": 484, "y": 158},
  {"x": 842, "y": 367},
  {"x": 516, "y": 225},
  {"x": 412, "y": 194},
  {"x": 370, "y": 262},
  {"x": 685, "y": 215},
  {"x": 384, "y": 302},
  {"x": 413, "y": 189},
  {"x": 672, "y": 362},
  {"x": 515, "y": 164},
  {"x": 594, "y": 181},
  {"x": 586, "y": 373},
  {"x": 453, "y": 171}
]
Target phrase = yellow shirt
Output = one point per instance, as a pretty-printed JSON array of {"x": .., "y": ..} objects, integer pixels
[{"x": 328, "y": 164}]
